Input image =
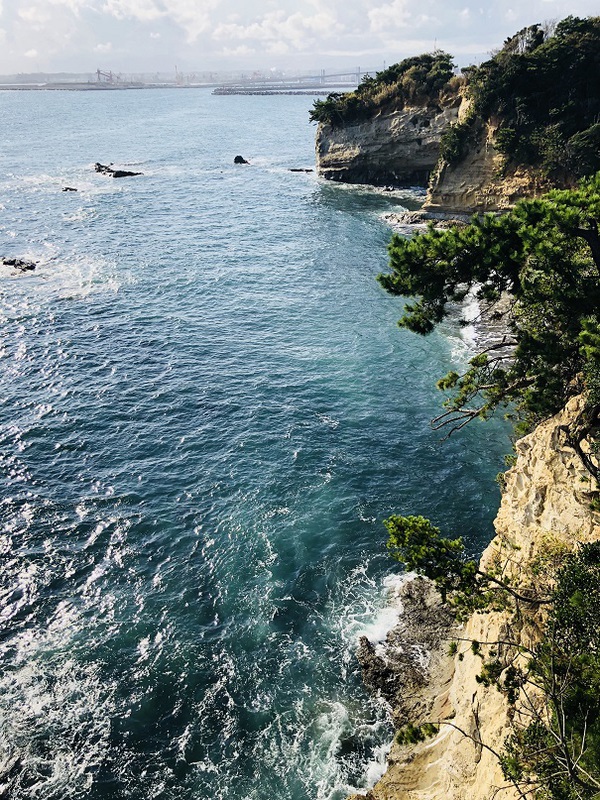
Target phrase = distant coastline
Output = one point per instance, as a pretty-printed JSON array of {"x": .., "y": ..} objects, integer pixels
[
  {"x": 217, "y": 88},
  {"x": 69, "y": 86}
]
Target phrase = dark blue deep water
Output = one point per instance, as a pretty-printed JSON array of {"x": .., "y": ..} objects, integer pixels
[{"x": 206, "y": 410}]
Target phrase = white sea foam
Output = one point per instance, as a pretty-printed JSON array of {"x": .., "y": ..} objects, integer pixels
[
  {"x": 49, "y": 703},
  {"x": 365, "y": 607},
  {"x": 373, "y": 610},
  {"x": 329, "y": 421},
  {"x": 471, "y": 310}
]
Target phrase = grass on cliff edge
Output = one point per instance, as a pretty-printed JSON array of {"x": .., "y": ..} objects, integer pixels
[{"x": 426, "y": 80}]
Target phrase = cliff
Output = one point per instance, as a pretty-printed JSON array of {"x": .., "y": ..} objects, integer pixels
[
  {"x": 545, "y": 509},
  {"x": 528, "y": 122},
  {"x": 482, "y": 180},
  {"x": 401, "y": 147},
  {"x": 397, "y": 146}
]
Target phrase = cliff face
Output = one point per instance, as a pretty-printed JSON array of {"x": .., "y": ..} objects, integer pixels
[
  {"x": 545, "y": 509},
  {"x": 399, "y": 147},
  {"x": 480, "y": 182}
]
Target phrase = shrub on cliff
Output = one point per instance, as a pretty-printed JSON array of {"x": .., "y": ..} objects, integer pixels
[
  {"x": 420, "y": 80},
  {"x": 555, "y": 748},
  {"x": 545, "y": 254},
  {"x": 541, "y": 92},
  {"x": 419, "y": 545},
  {"x": 552, "y": 687}
]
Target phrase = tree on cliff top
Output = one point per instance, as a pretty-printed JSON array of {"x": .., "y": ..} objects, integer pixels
[
  {"x": 545, "y": 256},
  {"x": 541, "y": 93},
  {"x": 420, "y": 80}
]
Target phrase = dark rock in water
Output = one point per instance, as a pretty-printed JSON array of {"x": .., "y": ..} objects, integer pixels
[
  {"x": 124, "y": 173},
  {"x": 414, "y": 653},
  {"x": 68, "y": 189},
  {"x": 240, "y": 160},
  {"x": 19, "y": 263},
  {"x": 295, "y": 169},
  {"x": 378, "y": 676},
  {"x": 105, "y": 169}
]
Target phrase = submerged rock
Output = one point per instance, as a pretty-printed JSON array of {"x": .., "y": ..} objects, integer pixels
[
  {"x": 240, "y": 160},
  {"x": 68, "y": 189},
  {"x": 297, "y": 169},
  {"x": 19, "y": 263},
  {"x": 107, "y": 169}
]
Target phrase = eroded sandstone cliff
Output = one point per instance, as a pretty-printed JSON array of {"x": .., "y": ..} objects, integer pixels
[
  {"x": 401, "y": 147},
  {"x": 481, "y": 181},
  {"x": 398, "y": 147},
  {"x": 545, "y": 509}
]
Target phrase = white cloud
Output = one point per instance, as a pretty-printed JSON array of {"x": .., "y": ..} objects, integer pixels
[
  {"x": 278, "y": 48},
  {"x": 282, "y": 33},
  {"x": 390, "y": 16},
  {"x": 214, "y": 33},
  {"x": 235, "y": 52},
  {"x": 142, "y": 10},
  {"x": 35, "y": 16},
  {"x": 31, "y": 54},
  {"x": 193, "y": 16},
  {"x": 75, "y": 6},
  {"x": 103, "y": 48}
]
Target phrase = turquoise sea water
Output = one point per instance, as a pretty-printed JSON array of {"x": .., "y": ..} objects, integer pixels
[{"x": 206, "y": 410}]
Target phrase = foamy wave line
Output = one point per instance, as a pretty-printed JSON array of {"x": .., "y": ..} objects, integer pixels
[{"x": 49, "y": 705}]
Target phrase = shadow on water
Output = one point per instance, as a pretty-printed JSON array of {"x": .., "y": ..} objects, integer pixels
[{"x": 358, "y": 199}]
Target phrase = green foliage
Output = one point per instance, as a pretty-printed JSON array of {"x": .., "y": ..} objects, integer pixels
[
  {"x": 546, "y": 254},
  {"x": 420, "y": 81},
  {"x": 476, "y": 648},
  {"x": 412, "y": 734},
  {"x": 418, "y": 544},
  {"x": 415, "y": 542},
  {"x": 560, "y": 745},
  {"x": 490, "y": 672},
  {"x": 541, "y": 90},
  {"x": 456, "y": 138},
  {"x": 589, "y": 340}
]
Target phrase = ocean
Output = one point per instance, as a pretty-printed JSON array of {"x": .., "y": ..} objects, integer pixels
[{"x": 206, "y": 411}]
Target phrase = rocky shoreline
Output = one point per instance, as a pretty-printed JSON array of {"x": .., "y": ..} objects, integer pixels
[
  {"x": 403, "y": 669},
  {"x": 407, "y": 221},
  {"x": 545, "y": 503}
]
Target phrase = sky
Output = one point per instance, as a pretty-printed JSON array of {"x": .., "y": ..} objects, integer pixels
[{"x": 196, "y": 35}]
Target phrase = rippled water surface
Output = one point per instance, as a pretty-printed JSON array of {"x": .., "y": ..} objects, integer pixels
[{"x": 206, "y": 410}]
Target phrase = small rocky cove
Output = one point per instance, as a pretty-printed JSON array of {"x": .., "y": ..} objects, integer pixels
[{"x": 401, "y": 147}]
